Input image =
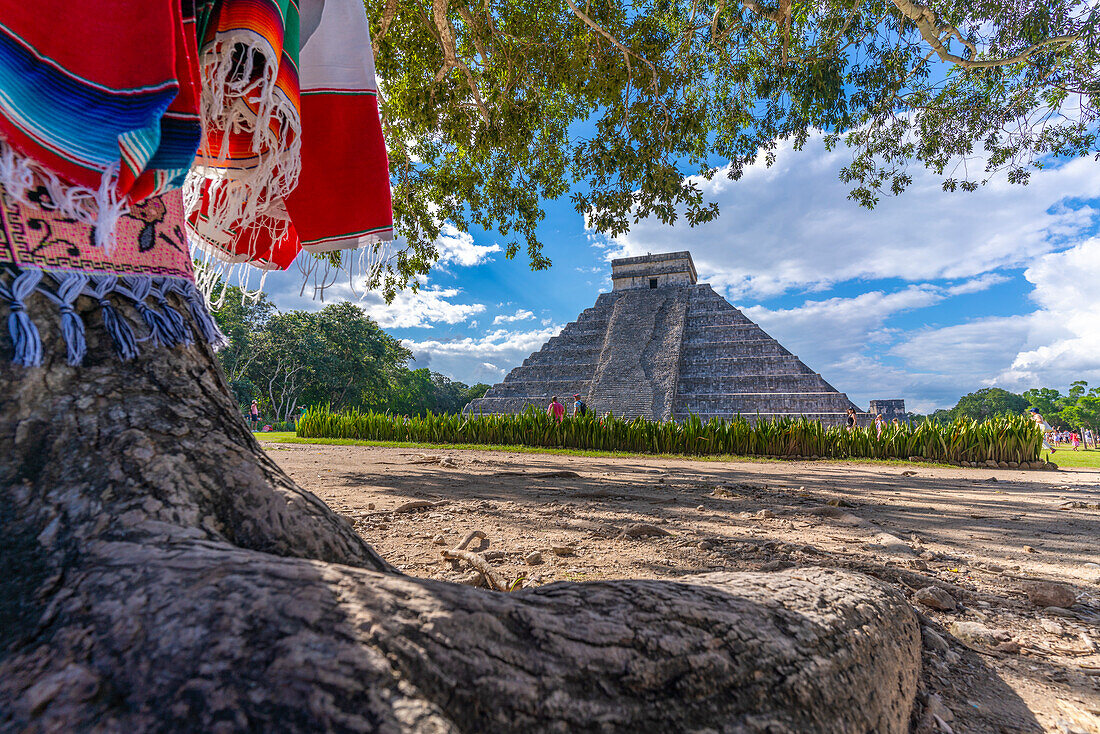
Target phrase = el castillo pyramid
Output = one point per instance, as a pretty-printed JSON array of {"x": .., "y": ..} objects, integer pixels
[{"x": 663, "y": 346}]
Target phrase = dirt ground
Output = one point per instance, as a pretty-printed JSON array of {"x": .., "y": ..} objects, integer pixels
[{"x": 980, "y": 535}]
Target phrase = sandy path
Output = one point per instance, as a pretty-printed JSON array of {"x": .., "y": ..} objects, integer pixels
[{"x": 980, "y": 534}]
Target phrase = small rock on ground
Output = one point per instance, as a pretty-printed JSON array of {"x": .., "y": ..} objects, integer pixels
[
  {"x": 933, "y": 640},
  {"x": 642, "y": 530},
  {"x": 534, "y": 558},
  {"x": 934, "y": 597},
  {"x": 937, "y": 707},
  {"x": 1046, "y": 594},
  {"x": 977, "y": 633}
]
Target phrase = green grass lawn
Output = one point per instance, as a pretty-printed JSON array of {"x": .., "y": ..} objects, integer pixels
[
  {"x": 289, "y": 437},
  {"x": 1082, "y": 457}
]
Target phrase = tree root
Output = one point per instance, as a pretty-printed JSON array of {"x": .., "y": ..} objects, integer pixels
[{"x": 495, "y": 580}]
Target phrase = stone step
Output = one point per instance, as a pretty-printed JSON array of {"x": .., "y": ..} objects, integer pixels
[
  {"x": 698, "y": 319},
  {"x": 820, "y": 402},
  {"x": 515, "y": 388},
  {"x": 709, "y": 350},
  {"x": 727, "y": 385},
  {"x": 544, "y": 372}
]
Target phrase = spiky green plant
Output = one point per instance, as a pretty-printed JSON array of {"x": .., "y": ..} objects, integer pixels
[{"x": 1004, "y": 438}]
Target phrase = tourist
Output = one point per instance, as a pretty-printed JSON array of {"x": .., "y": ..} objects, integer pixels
[
  {"x": 254, "y": 415},
  {"x": 1044, "y": 427},
  {"x": 1075, "y": 439},
  {"x": 896, "y": 423},
  {"x": 880, "y": 423},
  {"x": 556, "y": 410},
  {"x": 579, "y": 408},
  {"x": 850, "y": 422},
  {"x": 1089, "y": 438}
]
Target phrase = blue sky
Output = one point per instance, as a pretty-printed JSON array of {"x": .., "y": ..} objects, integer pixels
[{"x": 929, "y": 296}]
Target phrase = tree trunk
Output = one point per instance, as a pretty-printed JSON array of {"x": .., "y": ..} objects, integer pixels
[{"x": 161, "y": 573}]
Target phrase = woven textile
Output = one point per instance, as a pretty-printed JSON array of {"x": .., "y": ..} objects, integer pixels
[
  {"x": 99, "y": 99},
  {"x": 264, "y": 112},
  {"x": 293, "y": 155},
  {"x": 45, "y": 253}
]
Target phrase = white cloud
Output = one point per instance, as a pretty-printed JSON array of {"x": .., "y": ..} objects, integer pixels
[
  {"x": 1065, "y": 330},
  {"x": 423, "y": 308},
  {"x": 830, "y": 330},
  {"x": 458, "y": 248},
  {"x": 474, "y": 359},
  {"x": 1052, "y": 346},
  {"x": 840, "y": 337},
  {"x": 975, "y": 285},
  {"x": 848, "y": 342},
  {"x": 519, "y": 315},
  {"x": 791, "y": 226}
]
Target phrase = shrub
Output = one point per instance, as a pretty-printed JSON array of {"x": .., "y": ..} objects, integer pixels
[{"x": 1003, "y": 438}]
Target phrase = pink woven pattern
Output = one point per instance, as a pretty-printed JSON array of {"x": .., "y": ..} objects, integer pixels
[{"x": 151, "y": 239}]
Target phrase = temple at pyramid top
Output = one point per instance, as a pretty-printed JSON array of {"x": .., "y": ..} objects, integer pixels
[
  {"x": 653, "y": 271},
  {"x": 663, "y": 346}
]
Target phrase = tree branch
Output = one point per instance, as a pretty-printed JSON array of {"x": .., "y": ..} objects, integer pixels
[
  {"x": 450, "y": 55},
  {"x": 935, "y": 35}
]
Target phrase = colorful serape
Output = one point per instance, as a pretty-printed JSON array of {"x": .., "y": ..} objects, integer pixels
[
  {"x": 99, "y": 102},
  {"x": 306, "y": 165},
  {"x": 102, "y": 108}
]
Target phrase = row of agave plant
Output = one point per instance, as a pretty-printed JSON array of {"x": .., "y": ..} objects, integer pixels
[{"x": 1003, "y": 438}]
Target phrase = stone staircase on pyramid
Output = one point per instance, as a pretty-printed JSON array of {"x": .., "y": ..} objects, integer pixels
[{"x": 662, "y": 346}]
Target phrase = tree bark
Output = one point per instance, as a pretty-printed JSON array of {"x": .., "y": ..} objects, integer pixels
[{"x": 160, "y": 573}]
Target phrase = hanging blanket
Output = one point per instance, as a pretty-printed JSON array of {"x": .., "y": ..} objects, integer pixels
[
  {"x": 293, "y": 156},
  {"x": 99, "y": 102},
  {"x": 102, "y": 108}
]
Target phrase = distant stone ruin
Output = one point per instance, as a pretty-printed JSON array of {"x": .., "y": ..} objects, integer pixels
[
  {"x": 663, "y": 346},
  {"x": 889, "y": 410}
]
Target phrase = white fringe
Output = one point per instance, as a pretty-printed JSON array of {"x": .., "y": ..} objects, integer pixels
[
  {"x": 211, "y": 271},
  {"x": 241, "y": 198},
  {"x": 100, "y": 209}
]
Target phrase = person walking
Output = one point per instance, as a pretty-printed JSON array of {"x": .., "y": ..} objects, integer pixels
[
  {"x": 254, "y": 415},
  {"x": 579, "y": 408},
  {"x": 880, "y": 423},
  {"x": 556, "y": 410},
  {"x": 1044, "y": 427},
  {"x": 1075, "y": 439},
  {"x": 850, "y": 420}
]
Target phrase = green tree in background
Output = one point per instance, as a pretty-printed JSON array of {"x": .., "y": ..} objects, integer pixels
[
  {"x": 1080, "y": 408},
  {"x": 1045, "y": 400},
  {"x": 242, "y": 321},
  {"x": 989, "y": 402},
  {"x": 360, "y": 363},
  {"x": 337, "y": 356}
]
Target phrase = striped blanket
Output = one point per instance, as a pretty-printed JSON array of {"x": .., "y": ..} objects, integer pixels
[
  {"x": 293, "y": 155},
  {"x": 264, "y": 112},
  {"x": 91, "y": 106}
]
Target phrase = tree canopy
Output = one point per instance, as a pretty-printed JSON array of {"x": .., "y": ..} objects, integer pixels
[
  {"x": 337, "y": 356},
  {"x": 1079, "y": 408},
  {"x": 492, "y": 107}
]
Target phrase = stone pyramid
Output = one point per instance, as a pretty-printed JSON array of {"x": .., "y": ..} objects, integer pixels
[{"x": 663, "y": 346}]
